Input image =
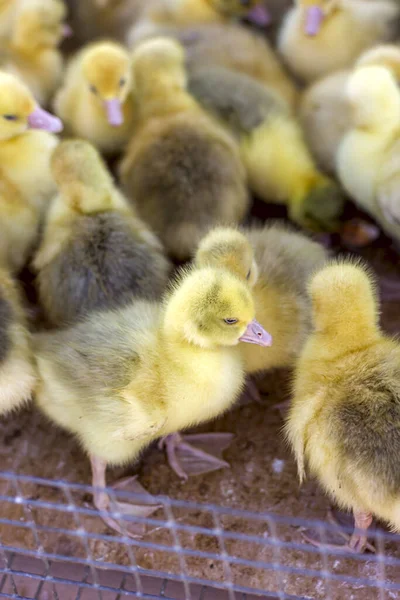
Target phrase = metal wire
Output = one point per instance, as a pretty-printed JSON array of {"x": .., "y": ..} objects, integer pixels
[{"x": 134, "y": 581}]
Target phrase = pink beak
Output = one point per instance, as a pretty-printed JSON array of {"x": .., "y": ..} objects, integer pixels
[
  {"x": 256, "y": 334},
  {"x": 114, "y": 112},
  {"x": 67, "y": 31},
  {"x": 259, "y": 15},
  {"x": 314, "y": 18},
  {"x": 41, "y": 119}
]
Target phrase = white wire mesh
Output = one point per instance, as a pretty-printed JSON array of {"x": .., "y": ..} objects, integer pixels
[{"x": 35, "y": 566}]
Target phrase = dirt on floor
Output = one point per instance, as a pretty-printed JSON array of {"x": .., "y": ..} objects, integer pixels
[{"x": 262, "y": 477}]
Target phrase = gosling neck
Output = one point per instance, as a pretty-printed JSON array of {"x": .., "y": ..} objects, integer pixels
[
  {"x": 346, "y": 335},
  {"x": 161, "y": 99}
]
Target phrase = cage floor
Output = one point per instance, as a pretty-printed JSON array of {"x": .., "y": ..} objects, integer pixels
[{"x": 262, "y": 478}]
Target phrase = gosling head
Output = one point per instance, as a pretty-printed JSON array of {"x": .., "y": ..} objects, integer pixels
[
  {"x": 315, "y": 13},
  {"x": 82, "y": 176},
  {"x": 106, "y": 69},
  {"x": 374, "y": 97},
  {"x": 19, "y": 111},
  {"x": 212, "y": 308},
  {"x": 344, "y": 299},
  {"x": 158, "y": 61},
  {"x": 228, "y": 248}
]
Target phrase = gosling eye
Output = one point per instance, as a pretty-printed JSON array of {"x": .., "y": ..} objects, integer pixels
[
  {"x": 122, "y": 82},
  {"x": 10, "y": 117},
  {"x": 248, "y": 275},
  {"x": 231, "y": 321},
  {"x": 93, "y": 89}
]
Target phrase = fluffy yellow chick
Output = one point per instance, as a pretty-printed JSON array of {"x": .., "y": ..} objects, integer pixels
[
  {"x": 124, "y": 378},
  {"x": 182, "y": 169},
  {"x": 235, "y": 47},
  {"x": 368, "y": 159},
  {"x": 157, "y": 15},
  {"x": 17, "y": 372},
  {"x": 277, "y": 264},
  {"x": 19, "y": 224},
  {"x": 95, "y": 101},
  {"x": 324, "y": 110},
  {"x": 278, "y": 164},
  {"x": 24, "y": 151},
  {"x": 33, "y": 53},
  {"x": 344, "y": 422},
  {"x": 95, "y": 253},
  {"x": 321, "y": 36}
]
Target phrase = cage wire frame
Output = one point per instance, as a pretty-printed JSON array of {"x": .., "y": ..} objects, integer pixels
[{"x": 46, "y": 575}]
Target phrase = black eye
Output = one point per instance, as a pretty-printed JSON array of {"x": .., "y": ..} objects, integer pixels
[
  {"x": 230, "y": 321},
  {"x": 10, "y": 117},
  {"x": 122, "y": 81},
  {"x": 248, "y": 275},
  {"x": 93, "y": 89}
]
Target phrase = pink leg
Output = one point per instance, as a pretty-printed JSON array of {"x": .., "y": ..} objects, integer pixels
[
  {"x": 101, "y": 500},
  {"x": 357, "y": 542},
  {"x": 187, "y": 458}
]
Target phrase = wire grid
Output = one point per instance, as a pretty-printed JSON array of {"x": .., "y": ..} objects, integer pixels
[{"x": 37, "y": 570}]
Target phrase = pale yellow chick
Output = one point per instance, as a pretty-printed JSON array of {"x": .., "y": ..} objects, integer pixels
[
  {"x": 324, "y": 110},
  {"x": 277, "y": 263},
  {"x": 321, "y": 36},
  {"x": 32, "y": 53},
  {"x": 95, "y": 101},
  {"x": 368, "y": 158},
  {"x": 25, "y": 151},
  {"x": 344, "y": 422},
  {"x": 17, "y": 371},
  {"x": 121, "y": 379}
]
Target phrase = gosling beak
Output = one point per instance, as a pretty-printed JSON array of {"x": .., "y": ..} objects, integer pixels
[
  {"x": 67, "y": 31},
  {"x": 259, "y": 15},
  {"x": 41, "y": 119},
  {"x": 114, "y": 112},
  {"x": 314, "y": 18},
  {"x": 256, "y": 334}
]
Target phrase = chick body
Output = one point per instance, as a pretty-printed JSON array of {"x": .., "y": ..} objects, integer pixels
[
  {"x": 235, "y": 47},
  {"x": 95, "y": 253},
  {"x": 368, "y": 156},
  {"x": 19, "y": 223},
  {"x": 157, "y": 16},
  {"x": 95, "y": 101},
  {"x": 344, "y": 423},
  {"x": 17, "y": 372},
  {"x": 347, "y": 28},
  {"x": 25, "y": 153},
  {"x": 277, "y": 264},
  {"x": 278, "y": 164},
  {"x": 181, "y": 167}
]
